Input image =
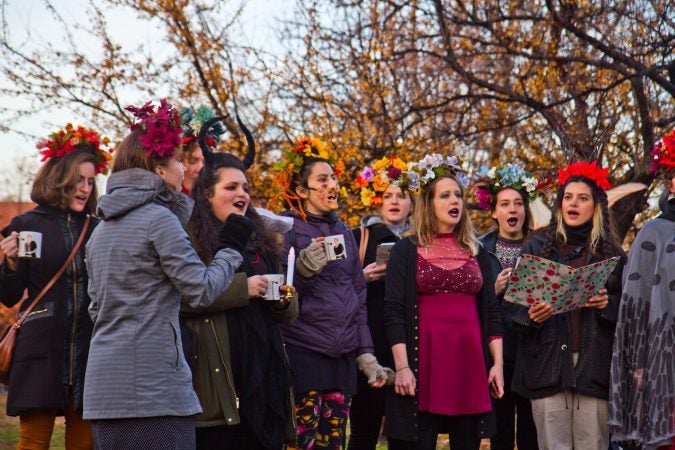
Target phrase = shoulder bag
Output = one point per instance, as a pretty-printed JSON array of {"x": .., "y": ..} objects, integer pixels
[{"x": 9, "y": 339}]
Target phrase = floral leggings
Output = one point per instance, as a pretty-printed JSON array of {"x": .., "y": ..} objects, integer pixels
[{"x": 321, "y": 419}]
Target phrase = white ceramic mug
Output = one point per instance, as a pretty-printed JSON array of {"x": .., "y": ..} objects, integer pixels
[
  {"x": 335, "y": 247},
  {"x": 274, "y": 282},
  {"x": 30, "y": 244}
]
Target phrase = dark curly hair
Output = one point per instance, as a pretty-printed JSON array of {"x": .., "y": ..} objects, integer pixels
[
  {"x": 602, "y": 241},
  {"x": 204, "y": 226}
]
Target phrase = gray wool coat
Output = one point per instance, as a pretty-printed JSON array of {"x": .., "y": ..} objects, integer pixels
[{"x": 140, "y": 263}]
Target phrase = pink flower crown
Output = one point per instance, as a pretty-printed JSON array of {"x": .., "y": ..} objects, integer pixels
[
  {"x": 62, "y": 142},
  {"x": 162, "y": 131}
]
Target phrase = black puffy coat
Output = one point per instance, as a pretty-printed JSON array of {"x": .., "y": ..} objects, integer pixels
[
  {"x": 53, "y": 344},
  {"x": 544, "y": 364}
]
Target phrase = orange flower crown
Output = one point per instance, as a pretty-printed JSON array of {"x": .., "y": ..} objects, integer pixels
[
  {"x": 663, "y": 155},
  {"x": 62, "y": 142},
  {"x": 291, "y": 165},
  {"x": 374, "y": 180},
  {"x": 596, "y": 174}
]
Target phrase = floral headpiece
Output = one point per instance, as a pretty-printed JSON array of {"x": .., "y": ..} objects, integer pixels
[
  {"x": 374, "y": 180},
  {"x": 509, "y": 176},
  {"x": 435, "y": 165},
  {"x": 162, "y": 132},
  {"x": 292, "y": 163},
  {"x": 663, "y": 155},
  {"x": 192, "y": 121},
  {"x": 62, "y": 142},
  {"x": 596, "y": 174}
]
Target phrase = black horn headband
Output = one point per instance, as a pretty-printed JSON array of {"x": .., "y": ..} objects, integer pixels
[{"x": 248, "y": 159}]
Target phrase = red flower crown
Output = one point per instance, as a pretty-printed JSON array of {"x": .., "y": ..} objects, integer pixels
[
  {"x": 663, "y": 155},
  {"x": 596, "y": 174},
  {"x": 162, "y": 131},
  {"x": 62, "y": 142}
]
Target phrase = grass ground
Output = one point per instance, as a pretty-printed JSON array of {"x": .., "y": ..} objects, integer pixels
[
  {"x": 9, "y": 430},
  {"x": 9, "y": 433}
]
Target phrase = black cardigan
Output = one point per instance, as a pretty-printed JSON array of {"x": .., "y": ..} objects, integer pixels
[
  {"x": 544, "y": 365},
  {"x": 401, "y": 325}
]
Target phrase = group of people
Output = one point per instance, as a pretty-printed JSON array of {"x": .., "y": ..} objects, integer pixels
[{"x": 160, "y": 333}]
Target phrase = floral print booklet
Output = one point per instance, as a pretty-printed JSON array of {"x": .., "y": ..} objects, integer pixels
[{"x": 536, "y": 279}]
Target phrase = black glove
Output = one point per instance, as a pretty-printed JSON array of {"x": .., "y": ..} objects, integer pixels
[{"x": 235, "y": 233}]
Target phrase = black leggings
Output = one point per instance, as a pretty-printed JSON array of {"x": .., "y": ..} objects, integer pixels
[{"x": 464, "y": 432}]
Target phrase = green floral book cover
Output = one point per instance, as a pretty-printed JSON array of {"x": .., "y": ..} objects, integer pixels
[{"x": 536, "y": 279}]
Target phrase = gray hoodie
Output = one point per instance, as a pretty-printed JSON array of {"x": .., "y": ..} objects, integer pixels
[{"x": 140, "y": 264}]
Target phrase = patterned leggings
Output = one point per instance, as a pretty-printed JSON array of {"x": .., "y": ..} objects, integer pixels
[{"x": 321, "y": 419}]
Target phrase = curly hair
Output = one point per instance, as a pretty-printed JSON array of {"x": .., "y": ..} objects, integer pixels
[
  {"x": 204, "y": 226},
  {"x": 602, "y": 241}
]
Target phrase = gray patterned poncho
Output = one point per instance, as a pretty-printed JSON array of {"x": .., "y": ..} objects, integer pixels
[{"x": 642, "y": 390}]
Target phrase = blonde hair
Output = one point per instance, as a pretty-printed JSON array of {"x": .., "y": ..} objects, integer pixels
[{"x": 424, "y": 224}]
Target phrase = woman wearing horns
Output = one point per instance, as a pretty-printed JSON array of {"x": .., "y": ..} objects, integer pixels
[{"x": 239, "y": 367}]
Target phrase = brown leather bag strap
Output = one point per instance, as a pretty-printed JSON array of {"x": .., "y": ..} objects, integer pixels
[
  {"x": 56, "y": 276},
  {"x": 363, "y": 244}
]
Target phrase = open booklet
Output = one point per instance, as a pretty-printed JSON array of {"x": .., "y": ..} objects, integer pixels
[{"x": 536, "y": 279}]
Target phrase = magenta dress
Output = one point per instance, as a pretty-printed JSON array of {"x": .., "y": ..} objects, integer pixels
[{"x": 452, "y": 374}]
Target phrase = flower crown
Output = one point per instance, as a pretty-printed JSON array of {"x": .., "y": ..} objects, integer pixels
[
  {"x": 162, "y": 132},
  {"x": 596, "y": 174},
  {"x": 426, "y": 170},
  {"x": 192, "y": 121},
  {"x": 291, "y": 164},
  {"x": 509, "y": 176},
  {"x": 65, "y": 141},
  {"x": 374, "y": 180},
  {"x": 663, "y": 155}
]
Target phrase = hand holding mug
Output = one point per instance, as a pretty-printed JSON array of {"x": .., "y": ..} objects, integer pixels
[
  {"x": 10, "y": 248},
  {"x": 257, "y": 286}
]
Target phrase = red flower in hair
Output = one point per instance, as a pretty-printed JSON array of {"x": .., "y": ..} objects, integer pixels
[
  {"x": 162, "y": 132},
  {"x": 64, "y": 141},
  {"x": 596, "y": 174},
  {"x": 663, "y": 154}
]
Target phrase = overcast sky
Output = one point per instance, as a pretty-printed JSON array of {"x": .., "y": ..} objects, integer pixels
[{"x": 29, "y": 22}]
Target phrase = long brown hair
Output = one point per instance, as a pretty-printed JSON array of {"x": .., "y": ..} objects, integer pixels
[
  {"x": 56, "y": 180},
  {"x": 424, "y": 225}
]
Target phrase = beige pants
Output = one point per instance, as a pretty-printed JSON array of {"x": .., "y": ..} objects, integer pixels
[{"x": 570, "y": 420}]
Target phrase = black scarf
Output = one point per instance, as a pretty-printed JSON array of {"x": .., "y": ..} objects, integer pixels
[
  {"x": 579, "y": 235},
  {"x": 668, "y": 210}
]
